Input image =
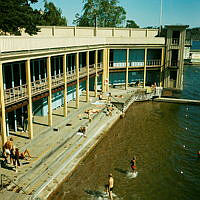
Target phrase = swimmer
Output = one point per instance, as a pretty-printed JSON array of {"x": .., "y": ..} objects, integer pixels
[
  {"x": 109, "y": 187},
  {"x": 133, "y": 163}
]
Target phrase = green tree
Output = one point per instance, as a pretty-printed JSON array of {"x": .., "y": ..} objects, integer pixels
[
  {"x": 52, "y": 16},
  {"x": 193, "y": 33},
  {"x": 103, "y": 13},
  {"x": 16, "y": 15},
  {"x": 131, "y": 24}
]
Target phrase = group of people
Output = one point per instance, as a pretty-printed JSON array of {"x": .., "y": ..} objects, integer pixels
[
  {"x": 109, "y": 186},
  {"x": 11, "y": 153}
]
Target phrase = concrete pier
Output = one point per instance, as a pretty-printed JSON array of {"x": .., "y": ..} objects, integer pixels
[{"x": 180, "y": 101}]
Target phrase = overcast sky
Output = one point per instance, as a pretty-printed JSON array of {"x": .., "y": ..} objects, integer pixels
[{"x": 144, "y": 12}]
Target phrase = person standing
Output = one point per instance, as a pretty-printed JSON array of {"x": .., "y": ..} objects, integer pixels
[
  {"x": 7, "y": 148},
  {"x": 133, "y": 163},
  {"x": 25, "y": 121},
  {"x": 16, "y": 159},
  {"x": 110, "y": 186}
]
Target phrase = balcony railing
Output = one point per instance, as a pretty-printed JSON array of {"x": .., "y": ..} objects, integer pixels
[
  {"x": 15, "y": 94},
  {"x": 175, "y": 41},
  {"x": 153, "y": 63},
  {"x": 39, "y": 86},
  {"x": 150, "y": 63},
  {"x": 19, "y": 93}
]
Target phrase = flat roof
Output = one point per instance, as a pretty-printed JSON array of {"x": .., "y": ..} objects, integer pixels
[{"x": 176, "y": 26}]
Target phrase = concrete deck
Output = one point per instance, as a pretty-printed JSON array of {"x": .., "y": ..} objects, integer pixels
[{"x": 57, "y": 150}]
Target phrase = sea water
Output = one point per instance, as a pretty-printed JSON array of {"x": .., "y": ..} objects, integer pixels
[{"x": 164, "y": 137}]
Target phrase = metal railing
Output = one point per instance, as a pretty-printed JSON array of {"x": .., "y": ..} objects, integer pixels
[
  {"x": 39, "y": 86},
  {"x": 19, "y": 93},
  {"x": 71, "y": 75},
  {"x": 122, "y": 64},
  {"x": 154, "y": 62},
  {"x": 175, "y": 41},
  {"x": 12, "y": 95},
  {"x": 57, "y": 80}
]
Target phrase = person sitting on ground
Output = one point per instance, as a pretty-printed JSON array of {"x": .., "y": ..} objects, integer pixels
[
  {"x": 83, "y": 130},
  {"x": 109, "y": 97},
  {"x": 101, "y": 96},
  {"x": 154, "y": 85},
  {"x": 18, "y": 155},
  {"x": 25, "y": 154}
]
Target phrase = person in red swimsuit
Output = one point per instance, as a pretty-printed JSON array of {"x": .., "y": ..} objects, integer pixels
[{"x": 133, "y": 163}]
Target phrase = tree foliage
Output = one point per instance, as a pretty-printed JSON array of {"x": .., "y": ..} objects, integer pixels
[
  {"x": 51, "y": 16},
  {"x": 151, "y": 27},
  {"x": 17, "y": 14},
  {"x": 131, "y": 24},
  {"x": 193, "y": 33},
  {"x": 103, "y": 13}
]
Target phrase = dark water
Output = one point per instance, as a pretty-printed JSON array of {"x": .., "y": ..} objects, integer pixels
[{"x": 165, "y": 139}]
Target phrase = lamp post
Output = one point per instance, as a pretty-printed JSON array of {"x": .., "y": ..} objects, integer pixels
[{"x": 161, "y": 11}]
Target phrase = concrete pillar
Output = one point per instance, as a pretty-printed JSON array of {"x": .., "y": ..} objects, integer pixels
[
  {"x": 127, "y": 61},
  {"x": 161, "y": 68},
  {"x": 39, "y": 70},
  {"x": 88, "y": 76},
  {"x": 96, "y": 74},
  {"x": 59, "y": 66},
  {"x": 77, "y": 80},
  {"x": 54, "y": 65},
  {"x": 104, "y": 70},
  {"x": 2, "y": 109},
  {"x": 7, "y": 121},
  {"x": 71, "y": 59},
  {"x": 30, "y": 115},
  {"x": 65, "y": 84},
  {"x": 13, "y": 85},
  {"x": 50, "y": 122},
  {"x": 145, "y": 66},
  {"x": 45, "y": 69},
  {"x": 108, "y": 64},
  {"x": 81, "y": 60},
  {"x": 20, "y": 83},
  {"x": 33, "y": 65}
]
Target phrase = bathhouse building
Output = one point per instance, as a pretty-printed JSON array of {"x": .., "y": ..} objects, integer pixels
[{"x": 43, "y": 72}]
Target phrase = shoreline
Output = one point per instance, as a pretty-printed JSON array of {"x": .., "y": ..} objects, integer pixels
[
  {"x": 98, "y": 135},
  {"x": 66, "y": 149}
]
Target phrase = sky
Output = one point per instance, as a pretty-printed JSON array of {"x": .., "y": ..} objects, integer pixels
[{"x": 143, "y": 12}]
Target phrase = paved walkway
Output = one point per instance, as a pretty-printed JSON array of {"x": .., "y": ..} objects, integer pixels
[{"x": 58, "y": 149}]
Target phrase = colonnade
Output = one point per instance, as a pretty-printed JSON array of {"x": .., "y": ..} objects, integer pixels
[
  {"x": 48, "y": 75},
  {"x": 49, "y": 80}
]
